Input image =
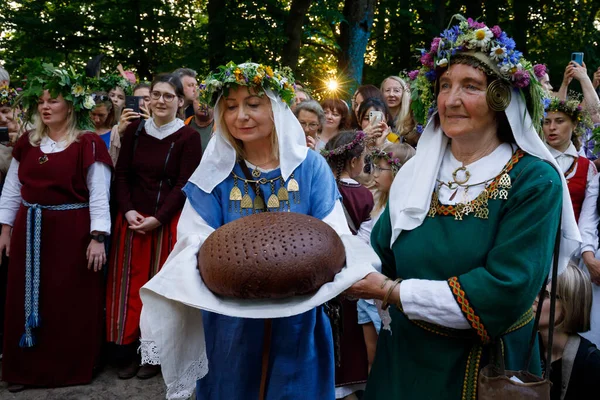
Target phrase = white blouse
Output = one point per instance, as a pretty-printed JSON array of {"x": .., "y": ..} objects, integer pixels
[
  {"x": 161, "y": 132},
  {"x": 98, "y": 183}
]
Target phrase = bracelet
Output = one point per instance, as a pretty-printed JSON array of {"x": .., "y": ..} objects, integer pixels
[
  {"x": 384, "y": 282},
  {"x": 385, "y": 304}
]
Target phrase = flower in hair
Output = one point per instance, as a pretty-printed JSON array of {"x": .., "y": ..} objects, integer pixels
[
  {"x": 491, "y": 48},
  {"x": 540, "y": 70},
  {"x": 72, "y": 86},
  {"x": 394, "y": 162},
  {"x": 580, "y": 117},
  {"x": 358, "y": 139},
  {"x": 7, "y": 96},
  {"x": 258, "y": 76}
]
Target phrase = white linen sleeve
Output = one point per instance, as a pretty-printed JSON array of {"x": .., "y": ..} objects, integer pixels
[
  {"x": 592, "y": 171},
  {"x": 589, "y": 218},
  {"x": 10, "y": 201},
  {"x": 431, "y": 301},
  {"x": 364, "y": 232},
  {"x": 98, "y": 183}
]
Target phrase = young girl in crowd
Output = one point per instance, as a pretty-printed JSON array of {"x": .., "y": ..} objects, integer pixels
[
  {"x": 346, "y": 157},
  {"x": 386, "y": 163},
  {"x": 575, "y": 360}
]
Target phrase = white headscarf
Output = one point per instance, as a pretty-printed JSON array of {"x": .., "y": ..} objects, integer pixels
[
  {"x": 410, "y": 194},
  {"x": 219, "y": 157}
]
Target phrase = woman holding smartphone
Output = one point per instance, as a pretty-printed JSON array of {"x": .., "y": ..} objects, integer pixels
[
  {"x": 154, "y": 164},
  {"x": 376, "y": 121}
]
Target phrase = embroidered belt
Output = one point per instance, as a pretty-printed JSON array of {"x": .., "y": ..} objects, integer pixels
[
  {"x": 32, "y": 265},
  {"x": 469, "y": 390}
]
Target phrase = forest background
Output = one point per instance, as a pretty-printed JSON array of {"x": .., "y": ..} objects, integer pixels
[{"x": 351, "y": 41}]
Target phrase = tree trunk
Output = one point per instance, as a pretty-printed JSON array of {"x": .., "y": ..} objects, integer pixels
[
  {"x": 217, "y": 16},
  {"x": 293, "y": 32},
  {"x": 355, "y": 31}
]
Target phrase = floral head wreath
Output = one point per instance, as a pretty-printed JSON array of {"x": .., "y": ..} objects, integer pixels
[
  {"x": 394, "y": 162},
  {"x": 492, "y": 50},
  {"x": 108, "y": 82},
  {"x": 66, "y": 82},
  {"x": 580, "y": 117},
  {"x": 358, "y": 139},
  {"x": 7, "y": 96},
  {"x": 257, "y": 76}
]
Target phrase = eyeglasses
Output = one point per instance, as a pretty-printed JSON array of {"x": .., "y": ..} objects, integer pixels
[
  {"x": 311, "y": 126},
  {"x": 167, "y": 97}
]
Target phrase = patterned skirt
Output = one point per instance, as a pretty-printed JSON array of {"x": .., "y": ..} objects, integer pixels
[{"x": 134, "y": 259}]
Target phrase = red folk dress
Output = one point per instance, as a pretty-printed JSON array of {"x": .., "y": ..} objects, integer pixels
[
  {"x": 150, "y": 174},
  {"x": 71, "y": 303},
  {"x": 577, "y": 185}
]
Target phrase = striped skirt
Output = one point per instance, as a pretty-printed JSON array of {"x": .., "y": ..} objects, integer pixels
[{"x": 134, "y": 259}]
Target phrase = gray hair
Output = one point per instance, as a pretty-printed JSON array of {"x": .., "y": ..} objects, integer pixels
[
  {"x": 4, "y": 76},
  {"x": 314, "y": 107},
  {"x": 181, "y": 72}
]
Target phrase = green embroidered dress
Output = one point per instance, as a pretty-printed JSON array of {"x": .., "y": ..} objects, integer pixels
[{"x": 494, "y": 267}]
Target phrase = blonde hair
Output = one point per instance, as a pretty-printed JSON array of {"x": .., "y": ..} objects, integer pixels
[
  {"x": 40, "y": 129},
  {"x": 574, "y": 289},
  {"x": 237, "y": 144},
  {"x": 401, "y": 151},
  {"x": 402, "y": 121}
]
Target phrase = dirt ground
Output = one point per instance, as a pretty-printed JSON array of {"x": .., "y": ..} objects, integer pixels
[{"x": 106, "y": 386}]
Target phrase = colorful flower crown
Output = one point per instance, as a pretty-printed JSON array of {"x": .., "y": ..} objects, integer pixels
[
  {"x": 108, "y": 82},
  {"x": 394, "y": 162},
  {"x": 7, "y": 96},
  {"x": 257, "y": 76},
  {"x": 492, "y": 48},
  {"x": 66, "y": 82},
  {"x": 580, "y": 116},
  {"x": 358, "y": 139}
]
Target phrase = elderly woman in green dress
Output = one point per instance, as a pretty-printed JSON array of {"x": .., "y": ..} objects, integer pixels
[{"x": 466, "y": 241}]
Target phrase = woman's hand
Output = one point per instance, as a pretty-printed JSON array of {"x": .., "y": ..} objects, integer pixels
[
  {"x": 127, "y": 117},
  {"x": 147, "y": 225},
  {"x": 96, "y": 255},
  {"x": 311, "y": 142},
  {"x": 144, "y": 112},
  {"x": 577, "y": 71},
  {"x": 5, "y": 241},
  {"x": 593, "y": 266},
  {"x": 568, "y": 75},
  {"x": 134, "y": 218},
  {"x": 369, "y": 287}
]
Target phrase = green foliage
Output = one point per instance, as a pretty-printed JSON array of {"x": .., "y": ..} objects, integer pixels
[{"x": 151, "y": 36}]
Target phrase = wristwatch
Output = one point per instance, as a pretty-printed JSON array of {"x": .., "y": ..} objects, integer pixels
[{"x": 100, "y": 238}]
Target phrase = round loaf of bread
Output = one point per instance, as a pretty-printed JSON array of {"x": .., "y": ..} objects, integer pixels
[{"x": 271, "y": 255}]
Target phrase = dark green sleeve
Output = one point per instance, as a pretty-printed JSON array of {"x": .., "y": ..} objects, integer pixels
[
  {"x": 494, "y": 296},
  {"x": 380, "y": 240}
]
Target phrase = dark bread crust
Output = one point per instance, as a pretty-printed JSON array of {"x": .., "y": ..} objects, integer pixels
[{"x": 271, "y": 256}]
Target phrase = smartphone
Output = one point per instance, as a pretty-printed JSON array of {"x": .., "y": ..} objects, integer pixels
[
  {"x": 134, "y": 102},
  {"x": 577, "y": 57},
  {"x": 375, "y": 117},
  {"x": 4, "y": 138}
]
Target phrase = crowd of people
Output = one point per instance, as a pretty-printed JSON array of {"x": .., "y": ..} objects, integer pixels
[{"x": 456, "y": 187}]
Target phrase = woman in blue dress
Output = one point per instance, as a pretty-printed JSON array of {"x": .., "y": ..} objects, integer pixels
[{"x": 222, "y": 344}]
